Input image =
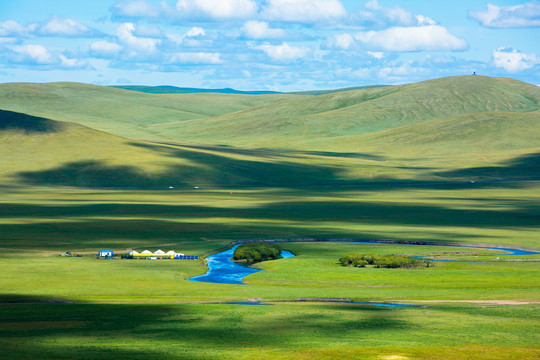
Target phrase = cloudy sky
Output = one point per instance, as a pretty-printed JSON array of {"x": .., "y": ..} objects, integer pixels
[{"x": 283, "y": 45}]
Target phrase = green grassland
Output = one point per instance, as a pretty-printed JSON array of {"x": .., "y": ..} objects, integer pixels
[
  {"x": 447, "y": 161},
  {"x": 99, "y": 331}
]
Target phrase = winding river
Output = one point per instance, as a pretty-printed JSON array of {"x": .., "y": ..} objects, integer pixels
[{"x": 222, "y": 270}]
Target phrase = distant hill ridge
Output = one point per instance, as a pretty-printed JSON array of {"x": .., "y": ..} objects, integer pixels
[{"x": 168, "y": 89}]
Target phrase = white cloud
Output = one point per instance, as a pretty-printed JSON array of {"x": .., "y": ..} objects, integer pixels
[
  {"x": 64, "y": 27},
  {"x": 386, "y": 15},
  {"x": 105, "y": 49},
  {"x": 416, "y": 38},
  {"x": 303, "y": 10},
  {"x": 195, "y": 31},
  {"x": 125, "y": 35},
  {"x": 283, "y": 52},
  {"x": 136, "y": 8},
  {"x": 512, "y": 60},
  {"x": 217, "y": 9},
  {"x": 35, "y": 54},
  {"x": 373, "y": 5},
  {"x": 403, "y": 71},
  {"x": 148, "y": 31},
  {"x": 72, "y": 63},
  {"x": 424, "y": 20},
  {"x": 526, "y": 15},
  {"x": 261, "y": 30},
  {"x": 196, "y": 58},
  {"x": 187, "y": 38},
  {"x": 341, "y": 41},
  {"x": 376, "y": 54},
  {"x": 12, "y": 28}
]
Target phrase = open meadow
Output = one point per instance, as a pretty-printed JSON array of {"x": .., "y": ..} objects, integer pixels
[{"x": 167, "y": 171}]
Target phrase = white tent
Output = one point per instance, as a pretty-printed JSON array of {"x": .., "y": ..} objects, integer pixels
[
  {"x": 170, "y": 252},
  {"x": 146, "y": 252},
  {"x": 159, "y": 252}
]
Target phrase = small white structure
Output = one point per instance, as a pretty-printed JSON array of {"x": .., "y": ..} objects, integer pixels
[{"x": 104, "y": 253}]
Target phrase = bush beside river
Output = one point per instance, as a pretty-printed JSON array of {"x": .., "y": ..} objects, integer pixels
[
  {"x": 257, "y": 252},
  {"x": 383, "y": 261}
]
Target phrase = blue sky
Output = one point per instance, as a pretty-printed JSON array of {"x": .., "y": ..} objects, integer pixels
[{"x": 283, "y": 45}]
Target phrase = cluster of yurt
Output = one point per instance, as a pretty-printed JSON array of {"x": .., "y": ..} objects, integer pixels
[{"x": 159, "y": 254}]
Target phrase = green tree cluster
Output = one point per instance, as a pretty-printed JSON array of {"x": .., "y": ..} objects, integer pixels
[
  {"x": 257, "y": 252},
  {"x": 383, "y": 261}
]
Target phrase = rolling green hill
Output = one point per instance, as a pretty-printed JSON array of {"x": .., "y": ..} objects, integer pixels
[
  {"x": 116, "y": 111},
  {"x": 318, "y": 119},
  {"x": 449, "y": 128},
  {"x": 41, "y": 151},
  {"x": 254, "y": 121}
]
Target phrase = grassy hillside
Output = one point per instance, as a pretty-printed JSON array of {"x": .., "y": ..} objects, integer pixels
[
  {"x": 494, "y": 145},
  {"x": 487, "y": 131},
  {"x": 318, "y": 119},
  {"x": 41, "y": 151},
  {"x": 305, "y": 122},
  {"x": 457, "y": 128},
  {"x": 116, "y": 111},
  {"x": 307, "y": 138}
]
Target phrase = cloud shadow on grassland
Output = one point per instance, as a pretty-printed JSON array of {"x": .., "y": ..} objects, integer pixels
[
  {"x": 10, "y": 120},
  {"x": 210, "y": 170},
  {"x": 525, "y": 167},
  {"x": 518, "y": 212},
  {"x": 31, "y": 329},
  {"x": 131, "y": 225},
  {"x": 271, "y": 168},
  {"x": 265, "y": 152}
]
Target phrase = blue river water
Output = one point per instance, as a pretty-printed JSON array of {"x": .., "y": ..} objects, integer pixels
[{"x": 222, "y": 270}]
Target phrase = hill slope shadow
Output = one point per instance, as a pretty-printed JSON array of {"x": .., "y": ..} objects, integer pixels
[
  {"x": 201, "y": 168},
  {"x": 526, "y": 167},
  {"x": 10, "y": 120}
]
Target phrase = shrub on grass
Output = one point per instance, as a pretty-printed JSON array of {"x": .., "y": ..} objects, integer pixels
[
  {"x": 257, "y": 252},
  {"x": 383, "y": 261}
]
